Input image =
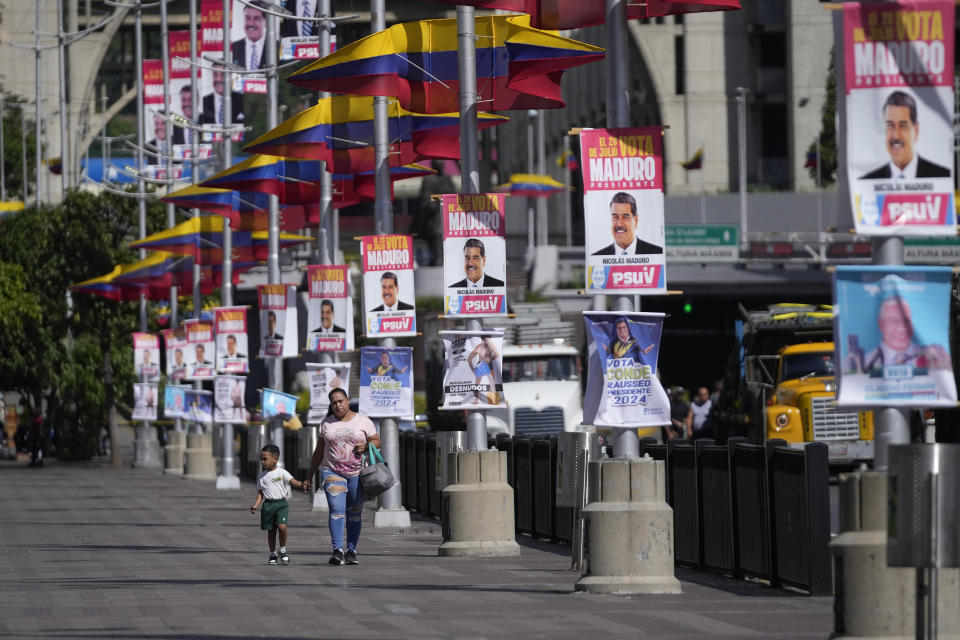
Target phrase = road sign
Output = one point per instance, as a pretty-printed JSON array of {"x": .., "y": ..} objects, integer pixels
[
  {"x": 703, "y": 242},
  {"x": 931, "y": 250}
]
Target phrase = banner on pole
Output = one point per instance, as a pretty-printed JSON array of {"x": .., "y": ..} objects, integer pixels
[
  {"x": 623, "y": 210},
  {"x": 896, "y": 80},
  {"x": 388, "y": 297},
  {"x": 144, "y": 401},
  {"x": 278, "y": 312},
  {"x": 146, "y": 355},
  {"x": 179, "y": 357},
  {"x": 277, "y": 403},
  {"x": 622, "y": 387},
  {"x": 324, "y": 378},
  {"x": 175, "y": 401},
  {"x": 248, "y": 35},
  {"x": 199, "y": 405},
  {"x": 231, "y": 337},
  {"x": 892, "y": 328},
  {"x": 228, "y": 399},
  {"x": 329, "y": 308},
  {"x": 474, "y": 254},
  {"x": 200, "y": 341},
  {"x": 386, "y": 381},
  {"x": 473, "y": 376}
]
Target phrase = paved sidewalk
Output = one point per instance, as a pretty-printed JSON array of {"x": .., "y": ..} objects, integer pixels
[{"x": 95, "y": 552}]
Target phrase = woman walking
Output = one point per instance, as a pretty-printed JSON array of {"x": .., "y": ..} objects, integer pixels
[{"x": 341, "y": 442}]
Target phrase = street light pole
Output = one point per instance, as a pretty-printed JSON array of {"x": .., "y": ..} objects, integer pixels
[
  {"x": 37, "y": 124},
  {"x": 742, "y": 158},
  {"x": 391, "y": 512},
  {"x": 65, "y": 159},
  {"x": 327, "y": 243}
]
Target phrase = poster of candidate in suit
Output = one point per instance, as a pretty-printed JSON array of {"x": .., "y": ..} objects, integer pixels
[
  {"x": 329, "y": 308},
  {"x": 388, "y": 296},
  {"x": 622, "y": 387},
  {"x": 231, "y": 338},
  {"x": 203, "y": 347},
  {"x": 474, "y": 254},
  {"x": 386, "y": 381},
  {"x": 892, "y": 328}
]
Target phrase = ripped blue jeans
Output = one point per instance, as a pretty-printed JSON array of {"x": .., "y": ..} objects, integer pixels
[{"x": 345, "y": 500}]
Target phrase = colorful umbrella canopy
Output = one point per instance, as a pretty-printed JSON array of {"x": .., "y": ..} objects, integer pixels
[
  {"x": 246, "y": 209},
  {"x": 518, "y": 67},
  {"x": 339, "y": 130},
  {"x": 571, "y": 14},
  {"x": 201, "y": 238},
  {"x": 532, "y": 185}
]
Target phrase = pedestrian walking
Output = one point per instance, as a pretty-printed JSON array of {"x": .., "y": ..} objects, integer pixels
[
  {"x": 342, "y": 440},
  {"x": 273, "y": 487}
]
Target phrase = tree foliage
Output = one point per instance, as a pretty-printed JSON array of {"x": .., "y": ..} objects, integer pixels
[
  {"x": 828, "y": 133},
  {"x": 53, "y": 352}
]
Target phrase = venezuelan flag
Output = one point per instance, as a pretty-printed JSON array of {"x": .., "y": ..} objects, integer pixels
[
  {"x": 572, "y": 14},
  {"x": 106, "y": 287},
  {"x": 695, "y": 161},
  {"x": 518, "y": 67},
  {"x": 532, "y": 185},
  {"x": 202, "y": 239},
  {"x": 256, "y": 173},
  {"x": 339, "y": 130}
]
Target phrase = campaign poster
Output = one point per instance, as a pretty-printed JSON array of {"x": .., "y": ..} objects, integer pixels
[
  {"x": 892, "y": 336},
  {"x": 324, "y": 378},
  {"x": 386, "y": 381},
  {"x": 179, "y": 357},
  {"x": 329, "y": 308},
  {"x": 300, "y": 39},
  {"x": 278, "y": 318},
  {"x": 248, "y": 36},
  {"x": 623, "y": 210},
  {"x": 228, "y": 399},
  {"x": 174, "y": 401},
  {"x": 623, "y": 389},
  {"x": 154, "y": 126},
  {"x": 388, "y": 298},
  {"x": 144, "y": 401},
  {"x": 199, "y": 405},
  {"x": 473, "y": 378},
  {"x": 277, "y": 403},
  {"x": 231, "y": 337},
  {"x": 897, "y": 86},
  {"x": 211, "y": 26},
  {"x": 213, "y": 85},
  {"x": 200, "y": 342},
  {"x": 474, "y": 254},
  {"x": 146, "y": 356}
]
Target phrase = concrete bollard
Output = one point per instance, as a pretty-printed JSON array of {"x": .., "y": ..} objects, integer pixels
[
  {"x": 199, "y": 453},
  {"x": 871, "y": 599},
  {"x": 630, "y": 529},
  {"x": 173, "y": 453},
  {"x": 478, "y": 506}
]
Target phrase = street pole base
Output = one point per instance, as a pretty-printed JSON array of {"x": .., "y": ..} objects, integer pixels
[
  {"x": 173, "y": 472},
  {"x": 627, "y": 585},
  {"x": 391, "y": 518},
  {"x": 228, "y": 482},
  {"x": 147, "y": 454},
  {"x": 479, "y": 549}
]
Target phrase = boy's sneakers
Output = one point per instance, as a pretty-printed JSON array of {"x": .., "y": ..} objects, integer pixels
[
  {"x": 351, "y": 557},
  {"x": 273, "y": 560},
  {"x": 284, "y": 558},
  {"x": 336, "y": 557}
]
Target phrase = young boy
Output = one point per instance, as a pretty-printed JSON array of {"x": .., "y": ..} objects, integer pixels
[{"x": 272, "y": 492}]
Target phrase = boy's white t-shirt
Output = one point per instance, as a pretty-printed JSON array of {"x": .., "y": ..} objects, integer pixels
[{"x": 274, "y": 484}]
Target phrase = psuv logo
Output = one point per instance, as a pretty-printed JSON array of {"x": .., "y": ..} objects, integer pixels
[
  {"x": 481, "y": 304},
  {"x": 640, "y": 278}
]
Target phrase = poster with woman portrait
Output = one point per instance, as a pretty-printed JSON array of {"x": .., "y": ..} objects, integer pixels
[
  {"x": 474, "y": 364},
  {"x": 325, "y": 377},
  {"x": 277, "y": 403},
  {"x": 622, "y": 386},
  {"x": 144, "y": 401},
  {"x": 199, "y": 405},
  {"x": 386, "y": 381},
  {"x": 174, "y": 401}
]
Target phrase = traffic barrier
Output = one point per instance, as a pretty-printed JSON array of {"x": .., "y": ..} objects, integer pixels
[
  {"x": 682, "y": 478},
  {"x": 751, "y": 499},
  {"x": 523, "y": 484},
  {"x": 542, "y": 474}
]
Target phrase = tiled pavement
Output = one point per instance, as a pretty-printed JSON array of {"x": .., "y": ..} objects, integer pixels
[{"x": 90, "y": 551}]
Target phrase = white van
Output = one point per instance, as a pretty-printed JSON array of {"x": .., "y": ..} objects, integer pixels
[{"x": 541, "y": 383}]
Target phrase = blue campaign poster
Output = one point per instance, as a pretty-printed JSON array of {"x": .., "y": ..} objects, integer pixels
[
  {"x": 892, "y": 336},
  {"x": 278, "y": 403},
  {"x": 174, "y": 401},
  {"x": 623, "y": 389},
  {"x": 386, "y": 381}
]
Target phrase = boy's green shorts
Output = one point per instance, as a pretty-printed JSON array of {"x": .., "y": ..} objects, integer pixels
[{"x": 272, "y": 513}]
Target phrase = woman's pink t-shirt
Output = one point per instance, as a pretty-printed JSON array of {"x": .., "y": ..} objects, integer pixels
[{"x": 339, "y": 439}]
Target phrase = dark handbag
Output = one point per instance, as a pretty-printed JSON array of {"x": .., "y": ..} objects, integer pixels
[{"x": 375, "y": 475}]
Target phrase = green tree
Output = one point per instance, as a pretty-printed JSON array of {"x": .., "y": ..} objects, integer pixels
[
  {"x": 73, "y": 359},
  {"x": 13, "y": 124},
  {"x": 828, "y": 133}
]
